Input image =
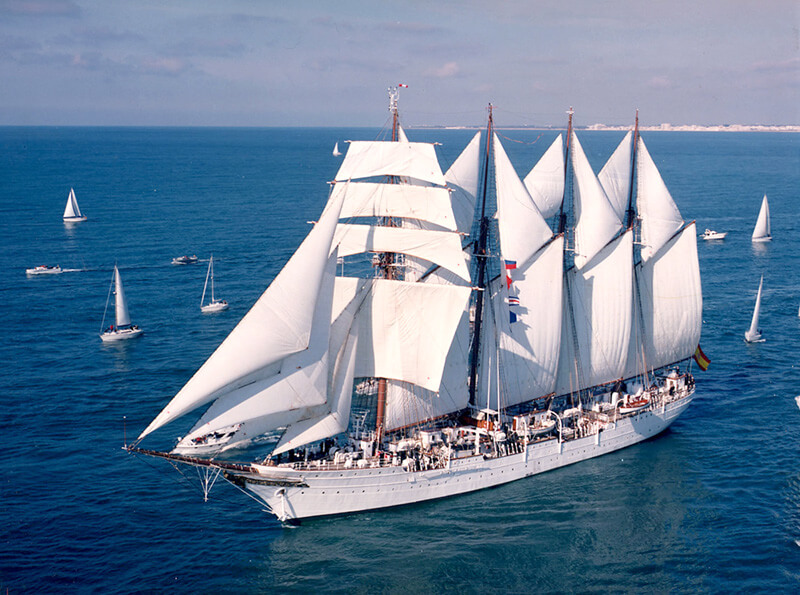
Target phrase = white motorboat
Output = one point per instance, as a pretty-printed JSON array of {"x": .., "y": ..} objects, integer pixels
[
  {"x": 43, "y": 269},
  {"x": 710, "y": 234}
]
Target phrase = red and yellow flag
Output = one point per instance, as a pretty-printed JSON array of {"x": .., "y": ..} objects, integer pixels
[{"x": 701, "y": 358}]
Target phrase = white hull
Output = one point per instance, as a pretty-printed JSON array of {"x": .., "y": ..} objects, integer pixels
[
  {"x": 300, "y": 493},
  {"x": 120, "y": 335},
  {"x": 214, "y": 307},
  {"x": 75, "y": 219},
  {"x": 767, "y": 239},
  {"x": 43, "y": 271}
]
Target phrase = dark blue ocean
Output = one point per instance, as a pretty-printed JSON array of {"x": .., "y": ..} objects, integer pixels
[{"x": 712, "y": 505}]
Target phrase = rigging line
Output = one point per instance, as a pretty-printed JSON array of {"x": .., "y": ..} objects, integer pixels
[{"x": 521, "y": 142}]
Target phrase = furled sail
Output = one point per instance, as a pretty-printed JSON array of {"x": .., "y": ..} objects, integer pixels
[
  {"x": 123, "y": 318},
  {"x": 596, "y": 221},
  {"x": 545, "y": 182},
  {"x": 462, "y": 178},
  {"x": 762, "y": 230},
  {"x": 426, "y": 203},
  {"x": 278, "y": 325},
  {"x": 615, "y": 177},
  {"x": 660, "y": 218},
  {"x": 368, "y": 159}
]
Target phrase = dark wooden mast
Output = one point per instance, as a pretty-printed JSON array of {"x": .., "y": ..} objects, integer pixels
[{"x": 479, "y": 253}]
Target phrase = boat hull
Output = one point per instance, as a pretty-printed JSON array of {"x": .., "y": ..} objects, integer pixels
[
  {"x": 112, "y": 336},
  {"x": 295, "y": 494},
  {"x": 214, "y": 307},
  {"x": 75, "y": 219}
]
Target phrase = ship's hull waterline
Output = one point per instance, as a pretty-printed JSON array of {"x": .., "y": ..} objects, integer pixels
[{"x": 295, "y": 494}]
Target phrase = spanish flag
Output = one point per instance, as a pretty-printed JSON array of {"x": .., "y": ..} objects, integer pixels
[{"x": 701, "y": 358}]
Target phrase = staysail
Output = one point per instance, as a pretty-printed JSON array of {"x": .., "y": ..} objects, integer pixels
[
  {"x": 545, "y": 182},
  {"x": 278, "y": 325},
  {"x": 528, "y": 304}
]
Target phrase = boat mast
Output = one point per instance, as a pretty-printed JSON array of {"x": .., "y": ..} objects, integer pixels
[
  {"x": 630, "y": 214},
  {"x": 388, "y": 271},
  {"x": 562, "y": 216},
  {"x": 479, "y": 253}
]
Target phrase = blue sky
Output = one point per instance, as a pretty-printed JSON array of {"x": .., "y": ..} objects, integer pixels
[{"x": 328, "y": 63}]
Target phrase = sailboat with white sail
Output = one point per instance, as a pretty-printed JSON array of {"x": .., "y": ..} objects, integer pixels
[
  {"x": 753, "y": 334},
  {"x": 214, "y": 305},
  {"x": 72, "y": 212},
  {"x": 123, "y": 329},
  {"x": 498, "y": 347},
  {"x": 762, "y": 231},
  {"x": 336, "y": 151}
]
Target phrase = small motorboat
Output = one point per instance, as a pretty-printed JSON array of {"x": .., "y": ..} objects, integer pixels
[
  {"x": 185, "y": 259},
  {"x": 44, "y": 270},
  {"x": 710, "y": 234}
]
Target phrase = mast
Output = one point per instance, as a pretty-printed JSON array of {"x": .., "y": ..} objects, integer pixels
[
  {"x": 479, "y": 253},
  {"x": 388, "y": 271},
  {"x": 630, "y": 214},
  {"x": 562, "y": 216}
]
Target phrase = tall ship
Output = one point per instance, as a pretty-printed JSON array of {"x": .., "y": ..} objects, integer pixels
[{"x": 440, "y": 333}]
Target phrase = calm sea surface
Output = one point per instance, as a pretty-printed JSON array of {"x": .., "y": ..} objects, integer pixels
[{"x": 712, "y": 505}]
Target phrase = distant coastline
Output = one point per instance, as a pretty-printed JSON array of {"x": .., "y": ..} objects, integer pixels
[{"x": 659, "y": 128}]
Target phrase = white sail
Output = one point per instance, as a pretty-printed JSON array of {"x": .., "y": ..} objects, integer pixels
[
  {"x": 660, "y": 217},
  {"x": 671, "y": 300},
  {"x": 530, "y": 346},
  {"x": 72, "y": 210},
  {"x": 278, "y": 325},
  {"x": 336, "y": 416},
  {"x": 336, "y": 151},
  {"x": 596, "y": 222},
  {"x": 753, "y": 334},
  {"x": 523, "y": 230},
  {"x": 292, "y": 390},
  {"x": 406, "y": 329},
  {"x": 368, "y": 159},
  {"x": 441, "y": 247},
  {"x": 462, "y": 178},
  {"x": 545, "y": 182},
  {"x": 367, "y": 199},
  {"x": 762, "y": 231},
  {"x": 599, "y": 308},
  {"x": 123, "y": 318},
  {"x": 401, "y": 134},
  {"x": 615, "y": 177}
]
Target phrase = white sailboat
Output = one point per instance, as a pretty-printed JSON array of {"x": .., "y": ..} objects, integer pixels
[
  {"x": 753, "y": 334},
  {"x": 123, "y": 329},
  {"x": 214, "y": 305},
  {"x": 336, "y": 151},
  {"x": 554, "y": 348},
  {"x": 72, "y": 212},
  {"x": 762, "y": 231}
]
